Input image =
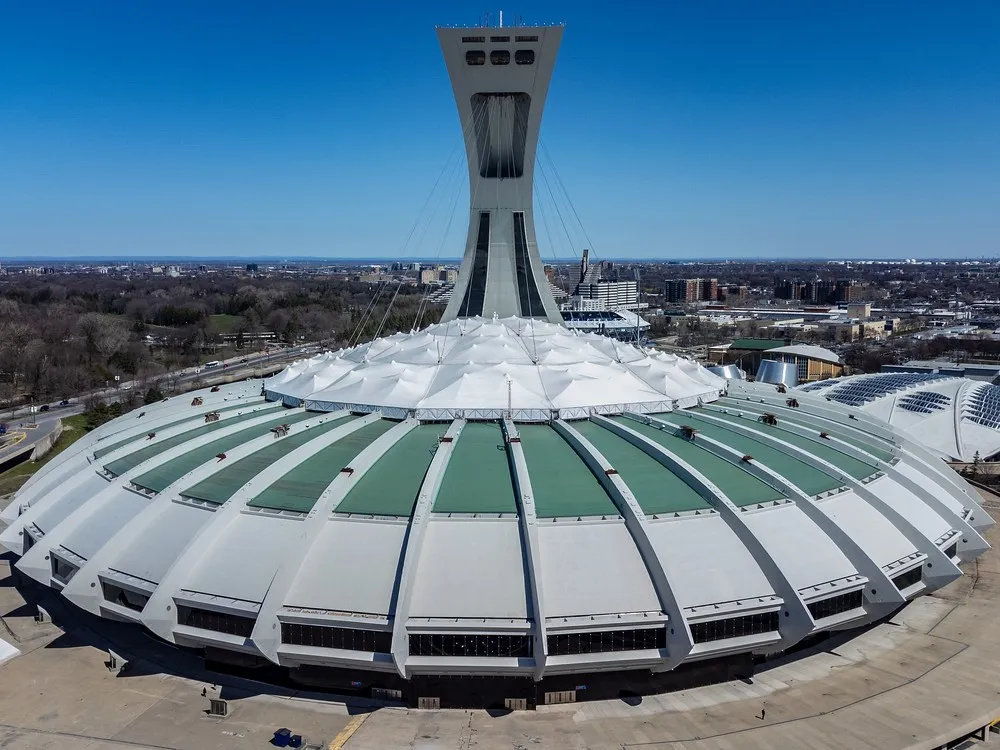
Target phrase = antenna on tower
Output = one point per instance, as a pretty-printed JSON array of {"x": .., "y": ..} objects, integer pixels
[{"x": 501, "y": 19}]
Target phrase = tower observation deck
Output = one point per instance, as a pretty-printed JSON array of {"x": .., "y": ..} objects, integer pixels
[{"x": 500, "y": 77}]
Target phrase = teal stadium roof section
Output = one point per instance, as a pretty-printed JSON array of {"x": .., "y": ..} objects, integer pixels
[
  {"x": 818, "y": 447},
  {"x": 194, "y": 417},
  {"x": 155, "y": 447},
  {"x": 739, "y": 485},
  {"x": 391, "y": 486},
  {"x": 657, "y": 490},
  {"x": 225, "y": 483},
  {"x": 479, "y": 459},
  {"x": 561, "y": 483},
  {"x": 807, "y": 478},
  {"x": 164, "y": 475},
  {"x": 300, "y": 488}
]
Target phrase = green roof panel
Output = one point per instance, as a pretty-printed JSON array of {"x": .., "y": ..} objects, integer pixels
[
  {"x": 164, "y": 475},
  {"x": 809, "y": 479},
  {"x": 656, "y": 488},
  {"x": 300, "y": 488},
  {"x": 390, "y": 487},
  {"x": 740, "y": 486},
  {"x": 478, "y": 477},
  {"x": 866, "y": 441},
  {"x": 196, "y": 417},
  {"x": 757, "y": 344},
  {"x": 155, "y": 447},
  {"x": 223, "y": 484},
  {"x": 561, "y": 483},
  {"x": 818, "y": 447}
]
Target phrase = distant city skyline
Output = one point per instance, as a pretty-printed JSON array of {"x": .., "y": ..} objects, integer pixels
[{"x": 680, "y": 131}]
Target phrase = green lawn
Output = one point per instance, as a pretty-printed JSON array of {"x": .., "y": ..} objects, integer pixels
[
  {"x": 222, "y": 323},
  {"x": 73, "y": 430}
]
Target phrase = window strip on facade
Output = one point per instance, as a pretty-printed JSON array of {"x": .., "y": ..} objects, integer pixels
[
  {"x": 734, "y": 627},
  {"x": 608, "y": 641},
  {"x": 907, "y": 579},
  {"x": 835, "y": 605},
  {"x": 348, "y": 639},
  {"x": 124, "y": 597},
  {"x": 468, "y": 644},
  {"x": 218, "y": 622}
]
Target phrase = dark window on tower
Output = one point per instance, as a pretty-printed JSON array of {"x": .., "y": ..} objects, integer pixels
[
  {"x": 473, "y": 39},
  {"x": 464, "y": 644},
  {"x": 531, "y": 38},
  {"x": 835, "y": 605},
  {"x": 349, "y": 639},
  {"x": 500, "y": 57},
  {"x": 563, "y": 644},
  {"x": 475, "y": 57},
  {"x": 524, "y": 57},
  {"x": 734, "y": 627},
  {"x": 499, "y": 38},
  {"x": 951, "y": 551},
  {"x": 220, "y": 622},
  {"x": 907, "y": 579},
  {"x": 124, "y": 597}
]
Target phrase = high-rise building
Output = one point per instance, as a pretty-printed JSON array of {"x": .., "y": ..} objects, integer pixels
[
  {"x": 601, "y": 289},
  {"x": 690, "y": 290}
]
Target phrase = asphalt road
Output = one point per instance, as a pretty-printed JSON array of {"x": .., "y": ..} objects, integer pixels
[{"x": 240, "y": 368}]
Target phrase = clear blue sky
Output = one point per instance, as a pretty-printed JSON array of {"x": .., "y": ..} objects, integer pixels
[{"x": 680, "y": 129}]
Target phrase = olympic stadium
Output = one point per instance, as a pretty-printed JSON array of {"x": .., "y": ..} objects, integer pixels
[{"x": 495, "y": 509}]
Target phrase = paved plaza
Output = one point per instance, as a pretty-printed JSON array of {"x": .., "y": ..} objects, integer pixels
[{"x": 930, "y": 674}]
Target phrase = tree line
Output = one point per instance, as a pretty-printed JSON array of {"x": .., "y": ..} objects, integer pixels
[{"x": 66, "y": 333}]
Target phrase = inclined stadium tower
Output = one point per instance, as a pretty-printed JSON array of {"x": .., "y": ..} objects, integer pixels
[{"x": 495, "y": 507}]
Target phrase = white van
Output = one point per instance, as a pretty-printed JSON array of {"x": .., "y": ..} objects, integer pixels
[{"x": 213, "y": 363}]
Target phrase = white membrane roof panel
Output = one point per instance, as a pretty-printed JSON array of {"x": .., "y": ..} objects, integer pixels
[
  {"x": 95, "y": 531},
  {"x": 705, "y": 561},
  {"x": 244, "y": 558},
  {"x": 61, "y": 502},
  {"x": 592, "y": 569},
  {"x": 913, "y": 509},
  {"x": 154, "y": 549},
  {"x": 471, "y": 569},
  {"x": 351, "y": 567},
  {"x": 872, "y": 531},
  {"x": 804, "y": 553}
]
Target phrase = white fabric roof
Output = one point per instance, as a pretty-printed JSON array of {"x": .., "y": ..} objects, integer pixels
[{"x": 485, "y": 366}]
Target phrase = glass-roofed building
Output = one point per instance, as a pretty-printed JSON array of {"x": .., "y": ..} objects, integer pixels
[
  {"x": 956, "y": 418},
  {"x": 497, "y": 509}
]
